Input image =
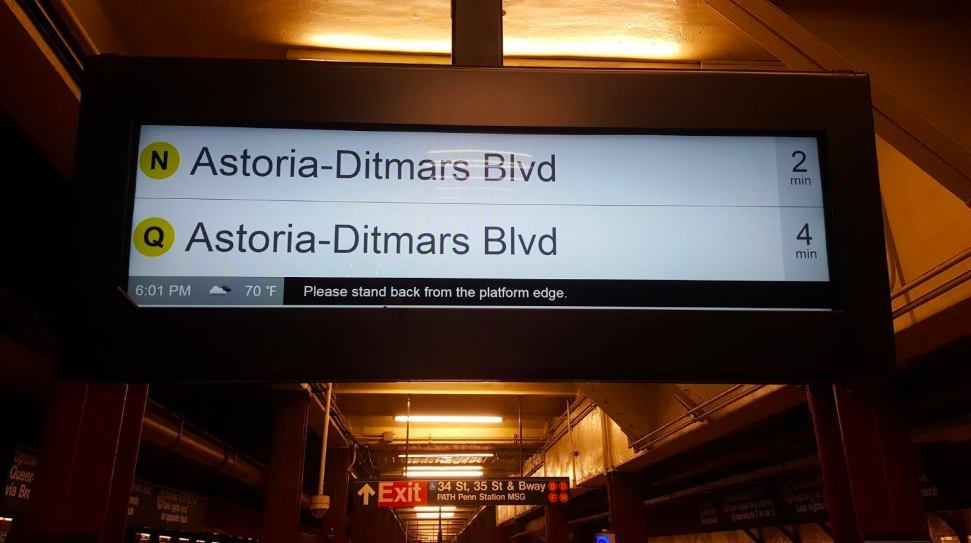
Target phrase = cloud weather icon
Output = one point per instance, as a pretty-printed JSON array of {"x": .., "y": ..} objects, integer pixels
[{"x": 220, "y": 290}]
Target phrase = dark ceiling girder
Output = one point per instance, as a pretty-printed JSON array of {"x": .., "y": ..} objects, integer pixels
[
  {"x": 751, "y": 535},
  {"x": 621, "y": 402},
  {"x": 790, "y": 535},
  {"x": 477, "y": 33},
  {"x": 917, "y": 138}
]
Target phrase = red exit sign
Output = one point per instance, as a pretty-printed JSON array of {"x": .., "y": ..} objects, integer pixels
[{"x": 394, "y": 493}]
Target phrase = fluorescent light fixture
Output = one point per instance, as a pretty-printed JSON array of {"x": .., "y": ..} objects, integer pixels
[
  {"x": 435, "y": 515},
  {"x": 424, "y": 467},
  {"x": 428, "y": 508},
  {"x": 442, "y": 475},
  {"x": 6, "y": 519},
  {"x": 605, "y": 47},
  {"x": 613, "y": 47},
  {"x": 449, "y": 418},
  {"x": 370, "y": 43},
  {"x": 447, "y": 455}
]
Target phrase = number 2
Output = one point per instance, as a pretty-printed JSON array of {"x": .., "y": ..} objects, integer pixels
[
  {"x": 797, "y": 168},
  {"x": 804, "y": 234}
]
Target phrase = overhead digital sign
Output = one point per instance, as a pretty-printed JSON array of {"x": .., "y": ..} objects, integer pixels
[
  {"x": 266, "y": 217},
  {"x": 288, "y": 221}
]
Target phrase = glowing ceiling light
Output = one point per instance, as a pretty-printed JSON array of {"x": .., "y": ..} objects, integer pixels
[
  {"x": 435, "y": 515},
  {"x": 428, "y": 508},
  {"x": 426, "y": 467},
  {"x": 442, "y": 475},
  {"x": 616, "y": 47},
  {"x": 370, "y": 43},
  {"x": 448, "y": 455},
  {"x": 604, "y": 47},
  {"x": 475, "y": 419}
]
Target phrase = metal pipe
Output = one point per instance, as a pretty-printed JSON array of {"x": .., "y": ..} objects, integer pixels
[
  {"x": 950, "y": 285},
  {"x": 573, "y": 444},
  {"x": 323, "y": 446},
  {"x": 159, "y": 430},
  {"x": 554, "y": 435},
  {"x": 733, "y": 480},
  {"x": 408, "y": 438},
  {"x": 688, "y": 413},
  {"x": 520, "y": 435},
  {"x": 930, "y": 274},
  {"x": 891, "y": 248},
  {"x": 689, "y": 422}
]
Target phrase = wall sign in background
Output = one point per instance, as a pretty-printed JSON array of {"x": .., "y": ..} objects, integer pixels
[
  {"x": 153, "y": 506},
  {"x": 462, "y": 492},
  {"x": 793, "y": 502},
  {"x": 271, "y": 217},
  {"x": 20, "y": 480}
]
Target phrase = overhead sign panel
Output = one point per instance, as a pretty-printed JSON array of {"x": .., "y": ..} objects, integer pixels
[
  {"x": 516, "y": 224},
  {"x": 458, "y": 492},
  {"x": 282, "y": 217}
]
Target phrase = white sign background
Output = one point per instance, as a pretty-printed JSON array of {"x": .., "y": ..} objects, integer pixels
[{"x": 639, "y": 207}]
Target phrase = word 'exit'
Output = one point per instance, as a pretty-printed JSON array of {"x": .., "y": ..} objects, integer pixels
[{"x": 396, "y": 493}]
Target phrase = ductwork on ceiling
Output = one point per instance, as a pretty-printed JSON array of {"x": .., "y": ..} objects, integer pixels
[{"x": 159, "y": 430}]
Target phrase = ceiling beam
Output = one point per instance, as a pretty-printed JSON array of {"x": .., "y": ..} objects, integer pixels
[
  {"x": 916, "y": 137},
  {"x": 39, "y": 93},
  {"x": 458, "y": 388}
]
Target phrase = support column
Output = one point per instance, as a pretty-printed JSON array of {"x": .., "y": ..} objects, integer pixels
[
  {"x": 387, "y": 524},
  {"x": 88, "y": 455},
  {"x": 129, "y": 439},
  {"x": 836, "y": 480},
  {"x": 363, "y": 525},
  {"x": 557, "y": 524},
  {"x": 871, "y": 484},
  {"x": 284, "y": 478},
  {"x": 477, "y": 33},
  {"x": 626, "y": 507},
  {"x": 335, "y": 521},
  {"x": 486, "y": 531}
]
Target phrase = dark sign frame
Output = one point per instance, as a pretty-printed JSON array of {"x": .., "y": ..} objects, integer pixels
[{"x": 114, "y": 340}]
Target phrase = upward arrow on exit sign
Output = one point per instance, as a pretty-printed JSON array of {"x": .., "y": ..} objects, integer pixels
[{"x": 366, "y": 492}]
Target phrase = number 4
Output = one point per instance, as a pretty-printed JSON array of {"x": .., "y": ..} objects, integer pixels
[{"x": 804, "y": 234}]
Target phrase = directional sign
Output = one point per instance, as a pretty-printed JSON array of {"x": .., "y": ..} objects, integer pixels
[
  {"x": 470, "y": 492},
  {"x": 366, "y": 492}
]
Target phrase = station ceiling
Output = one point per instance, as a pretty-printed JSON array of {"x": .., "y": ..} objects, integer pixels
[
  {"x": 370, "y": 411},
  {"x": 656, "y": 30}
]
